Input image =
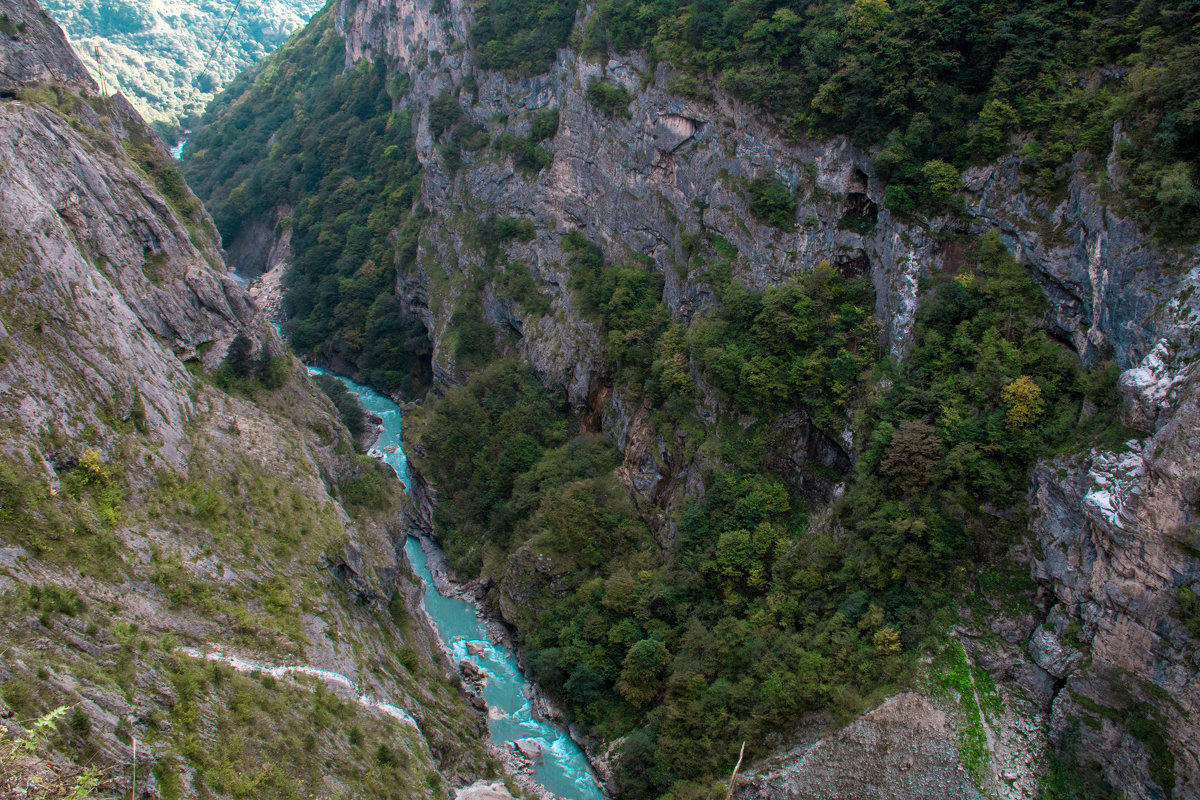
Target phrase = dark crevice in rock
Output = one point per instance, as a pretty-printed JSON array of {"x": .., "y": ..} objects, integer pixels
[
  {"x": 856, "y": 265},
  {"x": 1058, "y": 335},
  {"x": 599, "y": 389},
  {"x": 860, "y": 206},
  {"x": 1059, "y": 685}
]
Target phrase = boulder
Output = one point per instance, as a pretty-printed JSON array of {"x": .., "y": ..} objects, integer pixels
[{"x": 528, "y": 748}]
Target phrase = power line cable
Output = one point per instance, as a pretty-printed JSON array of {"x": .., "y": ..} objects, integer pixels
[{"x": 213, "y": 54}]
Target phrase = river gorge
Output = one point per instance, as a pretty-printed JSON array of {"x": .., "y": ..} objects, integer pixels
[{"x": 559, "y": 765}]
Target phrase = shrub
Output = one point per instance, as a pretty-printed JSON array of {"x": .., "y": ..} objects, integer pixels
[
  {"x": 241, "y": 371},
  {"x": 1189, "y": 606},
  {"x": 493, "y": 233},
  {"x": 772, "y": 202},
  {"x": 517, "y": 282},
  {"x": 545, "y": 125},
  {"x": 369, "y": 488},
  {"x": 444, "y": 113},
  {"x": 527, "y": 155},
  {"x": 1023, "y": 404},
  {"x": 942, "y": 180},
  {"x": 910, "y": 457},
  {"x": 24, "y": 773},
  {"x": 350, "y": 411},
  {"x": 611, "y": 99}
]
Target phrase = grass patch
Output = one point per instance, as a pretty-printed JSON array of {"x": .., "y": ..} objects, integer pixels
[
  {"x": 372, "y": 488},
  {"x": 282, "y": 738},
  {"x": 73, "y": 525},
  {"x": 972, "y": 743}
]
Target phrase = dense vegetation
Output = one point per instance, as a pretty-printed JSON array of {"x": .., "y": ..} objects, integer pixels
[
  {"x": 350, "y": 180},
  {"x": 949, "y": 82},
  {"x": 627, "y": 301},
  {"x": 610, "y": 98},
  {"x": 521, "y": 35},
  {"x": 158, "y": 56},
  {"x": 739, "y": 613},
  {"x": 803, "y": 344},
  {"x": 772, "y": 202},
  {"x": 350, "y": 412},
  {"x": 753, "y": 616}
]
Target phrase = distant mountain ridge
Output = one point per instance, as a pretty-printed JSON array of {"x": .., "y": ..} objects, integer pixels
[{"x": 154, "y": 50}]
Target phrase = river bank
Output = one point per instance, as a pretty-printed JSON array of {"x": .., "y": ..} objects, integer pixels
[
  {"x": 525, "y": 725},
  {"x": 545, "y": 758},
  {"x": 545, "y": 709}
]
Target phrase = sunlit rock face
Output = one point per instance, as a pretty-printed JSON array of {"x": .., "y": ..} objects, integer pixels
[{"x": 166, "y": 540}]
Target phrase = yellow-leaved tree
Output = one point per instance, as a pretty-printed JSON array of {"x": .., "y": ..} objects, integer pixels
[{"x": 1023, "y": 404}]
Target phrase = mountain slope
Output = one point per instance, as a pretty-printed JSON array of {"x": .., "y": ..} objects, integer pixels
[
  {"x": 746, "y": 430},
  {"x": 157, "y": 53},
  {"x": 179, "y": 568}
]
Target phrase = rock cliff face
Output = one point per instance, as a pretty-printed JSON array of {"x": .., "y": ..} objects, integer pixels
[
  {"x": 1117, "y": 539},
  {"x": 175, "y": 565},
  {"x": 1105, "y": 657},
  {"x": 904, "y": 748}
]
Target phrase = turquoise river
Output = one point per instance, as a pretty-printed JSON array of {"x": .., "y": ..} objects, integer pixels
[{"x": 562, "y": 769}]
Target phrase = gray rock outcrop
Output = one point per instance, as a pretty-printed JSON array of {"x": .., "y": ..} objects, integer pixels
[
  {"x": 904, "y": 748},
  {"x": 528, "y": 748},
  {"x": 37, "y": 53},
  {"x": 1117, "y": 539}
]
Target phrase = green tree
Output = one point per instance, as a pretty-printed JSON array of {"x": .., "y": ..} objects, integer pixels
[
  {"x": 643, "y": 671},
  {"x": 995, "y": 121},
  {"x": 772, "y": 202},
  {"x": 610, "y": 98},
  {"x": 240, "y": 356},
  {"x": 941, "y": 179},
  {"x": 444, "y": 113},
  {"x": 1176, "y": 187},
  {"x": 909, "y": 459}
]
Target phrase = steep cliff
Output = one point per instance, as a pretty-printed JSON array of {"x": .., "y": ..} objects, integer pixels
[
  {"x": 181, "y": 570},
  {"x": 534, "y": 190}
]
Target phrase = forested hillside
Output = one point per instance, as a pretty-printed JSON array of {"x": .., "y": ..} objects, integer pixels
[
  {"x": 932, "y": 82},
  {"x": 351, "y": 182},
  {"x": 170, "y": 58},
  {"x": 775, "y": 359}
]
